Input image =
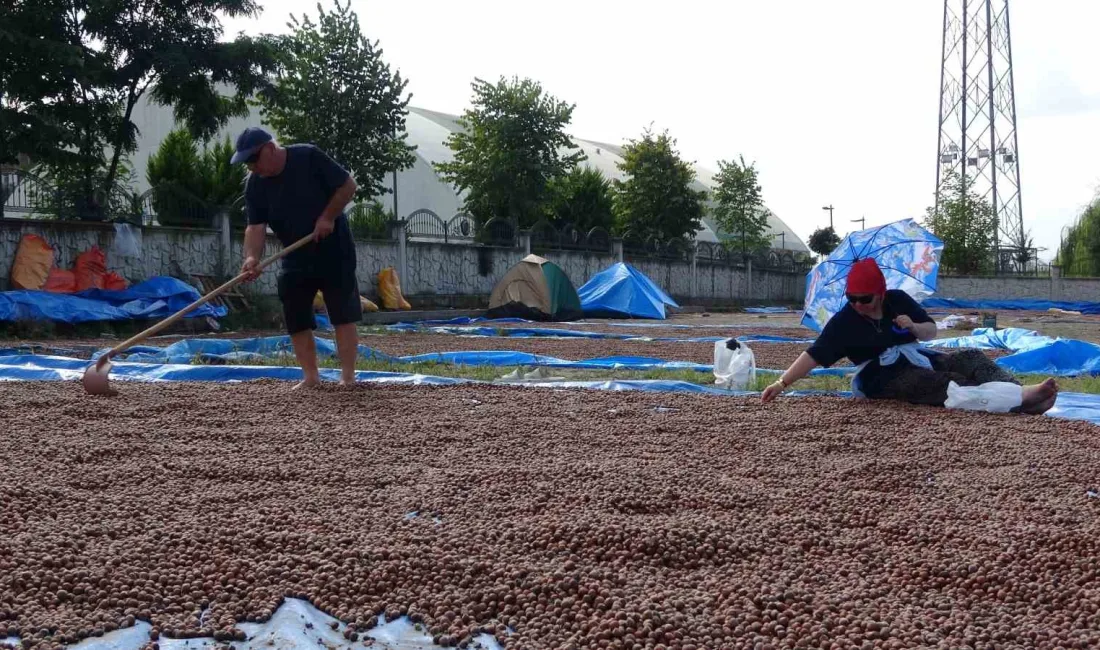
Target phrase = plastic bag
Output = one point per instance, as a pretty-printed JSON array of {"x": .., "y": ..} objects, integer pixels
[
  {"x": 734, "y": 365},
  {"x": 992, "y": 397},
  {"x": 127, "y": 241},
  {"x": 367, "y": 305},
  {"x": 33, "y": 260},
  {"x": 90, "y": 267},
  {"x": 389, "y": 289},
  {"x": 60, "y": 281}
]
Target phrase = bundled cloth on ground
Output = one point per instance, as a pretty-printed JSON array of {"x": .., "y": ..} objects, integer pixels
[
  {"x": 622, "y": 291},
  {"x": 156, "y": 298}
]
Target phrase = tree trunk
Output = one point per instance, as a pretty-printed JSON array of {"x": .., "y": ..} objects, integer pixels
[{"x": 116, "y": 155}]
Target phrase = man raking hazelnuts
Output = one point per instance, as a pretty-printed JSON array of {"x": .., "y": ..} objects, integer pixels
[
  {"x": 878, "y": 330},
  {"x": 296, "y": 190}
]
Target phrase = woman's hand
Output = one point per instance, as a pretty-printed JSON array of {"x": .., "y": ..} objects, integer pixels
[
  {"x": 922, "y": 331},
  {"x": 904, "y": 322},
  {"x": 772, "y": 391}
]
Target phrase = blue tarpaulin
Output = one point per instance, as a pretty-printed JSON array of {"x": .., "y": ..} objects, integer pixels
[
  {"x": 1011, "y": 305},
  {"x": 532, "y": 332},
  {"x": 1015, "y": 339},
  {"x": 1033, "y": 352},
  {"x": 768, "y": 310},
  {"x": 621, "y": 290},
  {"x": 1065, "y": 357},
  {"x": 1075, "y": 406},
  {"x": 223, "y": 351},
  {"x": 156, "y": 298}
]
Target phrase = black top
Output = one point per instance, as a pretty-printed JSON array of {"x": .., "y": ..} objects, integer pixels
[
  {"x": 848, "y": 334},
  {"x": 291, "y": 202}
]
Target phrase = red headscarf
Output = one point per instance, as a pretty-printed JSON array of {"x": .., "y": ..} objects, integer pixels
[{"x": 866, "y": 277}]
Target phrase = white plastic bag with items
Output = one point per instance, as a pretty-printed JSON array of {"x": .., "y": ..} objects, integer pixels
[
  {"x": 734, "y": 365},
  {"x": 993, "y": 397},
  {"x": 127, "y": 240}
]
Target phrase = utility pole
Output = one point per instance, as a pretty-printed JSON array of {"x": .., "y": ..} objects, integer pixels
[
  {"x": 396, "y": 214},
  {"x": 862, "y": 221},
  {"x": 977, "y": 117},
  {"x": 830, "y": 209}
]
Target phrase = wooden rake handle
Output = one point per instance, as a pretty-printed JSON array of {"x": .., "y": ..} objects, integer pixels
[{"x": 141, "y": 336}]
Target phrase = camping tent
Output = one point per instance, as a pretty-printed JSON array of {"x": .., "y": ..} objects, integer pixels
[
  {"x": 621, "y": 291},
  {"x": 536, "y": 289}
]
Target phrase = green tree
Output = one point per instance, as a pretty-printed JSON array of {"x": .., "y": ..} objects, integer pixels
[
  {"x": 512, "y": 144},
  {"x": 965, "y": 223},
  {"x": 335, "y": 90},
  {"x": 76, "y": 70},
  {"x": 582, "y": 198},
  {"x": 1079, "y": 252},
  {"x": 739, "y": 208},
  {"x": 190, "y": 186},
  {"x": 824, "y": 241},
  {"x": 657, "y": 199}
]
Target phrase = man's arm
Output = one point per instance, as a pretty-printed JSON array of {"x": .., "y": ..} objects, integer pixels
[
  {"x": 340, "y": 198},
  {"x": 255, "y": 235}
]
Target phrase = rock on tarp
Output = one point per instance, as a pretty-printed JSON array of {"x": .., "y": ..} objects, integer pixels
[
  {"x": 156, "y": 298},
  {"x": 623, "y": 291}
]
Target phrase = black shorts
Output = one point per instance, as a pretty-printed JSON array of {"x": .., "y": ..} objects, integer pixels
[{"x": 338, "y": 286}]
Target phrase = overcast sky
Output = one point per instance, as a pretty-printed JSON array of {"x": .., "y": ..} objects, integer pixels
[{"x": 837, "y": 102}]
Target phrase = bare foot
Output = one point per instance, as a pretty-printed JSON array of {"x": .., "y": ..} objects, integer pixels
[
  {"x": 307, "y": 383},
  {"x": 344, "y": 383},
  {"x": 1036, "y": 397},
  {"x": 1044, "y": 406}
]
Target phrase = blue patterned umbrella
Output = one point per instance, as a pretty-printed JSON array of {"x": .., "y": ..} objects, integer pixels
[{"x": 908, "y": 255}]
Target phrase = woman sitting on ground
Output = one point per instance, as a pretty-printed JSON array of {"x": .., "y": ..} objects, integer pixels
[{"x": 878, "y": 331}]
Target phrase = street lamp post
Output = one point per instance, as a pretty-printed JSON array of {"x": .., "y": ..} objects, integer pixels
[{"x": 830, "y": 209}]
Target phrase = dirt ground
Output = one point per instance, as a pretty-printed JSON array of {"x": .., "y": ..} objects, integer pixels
[{"x": 577, "y": 519}]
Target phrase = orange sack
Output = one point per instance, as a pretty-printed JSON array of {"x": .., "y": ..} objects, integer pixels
[
  {"x": 389, "y": 289},
  {"x": 114, "y": 282},
  {"x": 61, "y": 281},
  {"x": 90, "y": 267},
  {"x": 33, "y": 260}
]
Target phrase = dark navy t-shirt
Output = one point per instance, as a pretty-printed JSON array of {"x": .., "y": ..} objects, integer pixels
[
  {"x": 291, "y": 202},
  {"x": 852, "y": 336}
]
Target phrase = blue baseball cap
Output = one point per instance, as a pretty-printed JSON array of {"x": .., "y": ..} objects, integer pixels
[{"x": 249, "y": 142}]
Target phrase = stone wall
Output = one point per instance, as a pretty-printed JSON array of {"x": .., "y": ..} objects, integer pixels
[
  {"x": 431, "y": 273},
  {"x": 1007, "y": 288},
  {"x": 164, "y": 251}
]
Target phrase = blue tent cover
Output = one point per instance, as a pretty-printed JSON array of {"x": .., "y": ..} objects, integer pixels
[{"x": 621, "y": 290}]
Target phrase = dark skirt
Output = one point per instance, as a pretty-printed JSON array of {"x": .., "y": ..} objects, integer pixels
[{"x": 908, "y": 383}]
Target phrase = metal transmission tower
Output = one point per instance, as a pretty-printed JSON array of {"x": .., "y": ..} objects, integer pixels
[{"x": 977, "y": 138}]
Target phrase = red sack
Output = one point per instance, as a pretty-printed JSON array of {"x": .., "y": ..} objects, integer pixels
[
  {"x": 114, "y": 282},
  {"x": 60, "y": 281},
  {"x": 90, "y": 267}
]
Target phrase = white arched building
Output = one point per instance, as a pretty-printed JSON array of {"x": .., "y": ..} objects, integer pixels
[{"x": 419, "y": 187}]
